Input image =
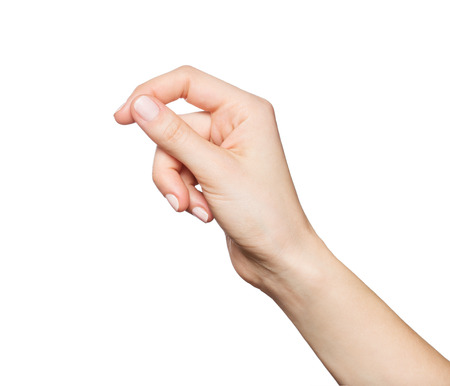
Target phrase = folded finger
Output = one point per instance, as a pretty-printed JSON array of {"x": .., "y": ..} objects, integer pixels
[
  {"x": 198, "y": 206},
  {"x": 196, "y": 87},
  {"x": 166, "y": 176}
]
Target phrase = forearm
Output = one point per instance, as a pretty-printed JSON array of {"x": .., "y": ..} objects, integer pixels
[{"x": 354, "y": 333}]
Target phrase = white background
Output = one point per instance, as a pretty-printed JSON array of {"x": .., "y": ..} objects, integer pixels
[{"x": 102, "y": 283}]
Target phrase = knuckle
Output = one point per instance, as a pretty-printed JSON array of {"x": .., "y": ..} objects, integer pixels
[
  {"x": 174, "y": 133},
  {"x": 186, "y": 68},
  {"x": 185, "y": 74},
  {"x": 265, "y": 104}
]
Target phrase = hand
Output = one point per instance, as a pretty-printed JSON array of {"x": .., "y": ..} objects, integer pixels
[{"x": 233, "y": 150}]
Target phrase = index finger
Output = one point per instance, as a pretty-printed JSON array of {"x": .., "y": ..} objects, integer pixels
[{"x": 197, "y": 87}]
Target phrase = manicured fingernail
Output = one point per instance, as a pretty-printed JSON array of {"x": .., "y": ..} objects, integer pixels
[
  {"x": 146, "y": 108},
  {"x": 123, "y": 104},
  {"x": 200, "y": 213},
  {"x": 172, "y": 201}
]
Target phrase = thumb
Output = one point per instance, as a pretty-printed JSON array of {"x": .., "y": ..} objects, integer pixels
[{"x": 174, "y": 135}]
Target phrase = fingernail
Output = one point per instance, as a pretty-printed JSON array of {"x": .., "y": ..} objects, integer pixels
[
  {"x": 172, "y": 201},
  {"x": 146, "y": 108},
  {"x": 123, "y": 104},
  {"x": 200, "y": 213}
]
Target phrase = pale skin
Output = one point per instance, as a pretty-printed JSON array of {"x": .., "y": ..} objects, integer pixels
[{"x": 233, "y": 151}]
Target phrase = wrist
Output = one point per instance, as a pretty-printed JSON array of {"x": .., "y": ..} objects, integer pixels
[{"x": 299, "y": 271}]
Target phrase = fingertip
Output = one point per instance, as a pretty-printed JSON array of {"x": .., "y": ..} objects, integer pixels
[
  {"x": 146, "y": 98},
  {"x": 198, "y": 206},
  {"x": 174, "y": 190},
  {"x": 173, "y": 201},
  {"x": 178, "y": 201},
  {"x": 183, "y": 202},
  {"x": 202, "y": 214},
  {"x": 120, "y": 107},
  {"x": 123, "y": 114}
]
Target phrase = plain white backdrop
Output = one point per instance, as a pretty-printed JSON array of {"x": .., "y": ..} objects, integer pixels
[{"x": 102, "y": 283}]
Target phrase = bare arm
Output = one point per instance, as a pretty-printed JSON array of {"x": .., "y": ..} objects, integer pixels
[
  {"x": 233, "y": 150},
  {"x": 358, "y": 338}
]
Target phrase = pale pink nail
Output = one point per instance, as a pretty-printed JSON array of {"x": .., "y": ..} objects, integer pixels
[
  {"x": 146, "y": 108},
  {"x": 173, "y": 201},
  {"x": 200, "y": 213}
]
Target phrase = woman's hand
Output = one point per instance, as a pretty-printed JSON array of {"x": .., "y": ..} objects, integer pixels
[{"x": 233, "y": 151}]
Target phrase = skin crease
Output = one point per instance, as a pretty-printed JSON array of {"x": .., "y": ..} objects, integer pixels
[{"x": 232, "y": 149}]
